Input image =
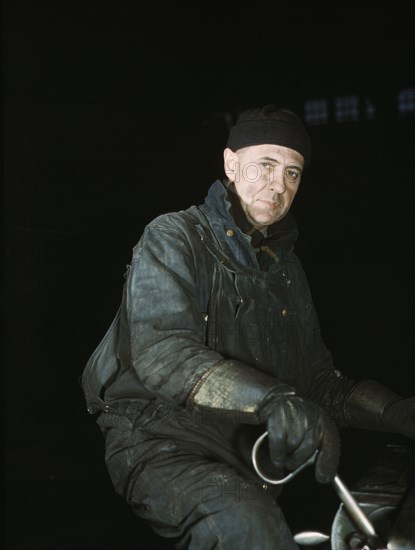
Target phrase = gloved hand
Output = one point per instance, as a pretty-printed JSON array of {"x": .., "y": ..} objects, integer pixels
[
  {"x": 296, "y": 428},
  {"x": 399, "y": 417}
]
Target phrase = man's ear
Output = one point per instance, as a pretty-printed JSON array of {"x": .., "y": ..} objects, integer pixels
[{"x": 230, "y": 159}]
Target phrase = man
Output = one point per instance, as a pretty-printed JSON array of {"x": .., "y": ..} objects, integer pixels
[{"x": 216, "y": 341}]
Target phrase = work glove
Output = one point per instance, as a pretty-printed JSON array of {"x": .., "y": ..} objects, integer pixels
[
  {"x": 371, "y": 405},
  {"x": 399, "y": 417},
  {"x": 296, "y": 429}
]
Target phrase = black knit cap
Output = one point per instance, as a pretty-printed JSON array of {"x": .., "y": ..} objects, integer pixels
[{"x": 269, "y": 125}]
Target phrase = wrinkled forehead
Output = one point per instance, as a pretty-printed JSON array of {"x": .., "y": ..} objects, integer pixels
[{"x": 272, "y": 153}]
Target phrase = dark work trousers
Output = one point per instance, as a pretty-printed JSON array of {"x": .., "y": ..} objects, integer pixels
[{"x": 190, "y": 484}]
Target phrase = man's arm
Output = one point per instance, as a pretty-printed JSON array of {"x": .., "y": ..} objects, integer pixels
[
  {"x": 365, "y": 404},
  {"x": 371, "y": 405}
]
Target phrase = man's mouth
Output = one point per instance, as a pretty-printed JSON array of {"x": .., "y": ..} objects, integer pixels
[{"x": 270, "y": 204}]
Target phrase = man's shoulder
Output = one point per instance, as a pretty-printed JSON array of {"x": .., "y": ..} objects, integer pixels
[{"x": 181, "y": 219}]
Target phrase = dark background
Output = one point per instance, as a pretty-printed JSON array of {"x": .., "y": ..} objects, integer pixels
[{"x": 115, "y": 112}]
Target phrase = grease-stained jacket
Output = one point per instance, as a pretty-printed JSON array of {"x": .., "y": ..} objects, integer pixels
[{"x": 196, "y": 297}]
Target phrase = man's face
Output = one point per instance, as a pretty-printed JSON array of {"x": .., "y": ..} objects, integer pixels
[{"x": 266, "y": 178}]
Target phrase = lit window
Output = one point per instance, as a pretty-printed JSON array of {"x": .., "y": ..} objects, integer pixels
[
  {"x": 406, "y": 101},
  {"x": 316, "y": 111},
  {"x": 347, "y": 108}
]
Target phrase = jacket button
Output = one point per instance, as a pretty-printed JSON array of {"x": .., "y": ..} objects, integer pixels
[
  {"x": 229, "y": 232},
  {"x": 284, "y": 312}
]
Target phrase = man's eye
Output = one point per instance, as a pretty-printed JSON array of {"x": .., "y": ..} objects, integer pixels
[
  {"x": 266, "y": 165},
  {"x": 293, "y": 174}
]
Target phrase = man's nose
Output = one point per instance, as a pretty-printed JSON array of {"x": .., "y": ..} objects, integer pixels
[{"x": 277, "y": 183}]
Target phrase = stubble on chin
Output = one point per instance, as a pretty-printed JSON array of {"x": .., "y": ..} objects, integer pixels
[{"x": 260, "y": 222}]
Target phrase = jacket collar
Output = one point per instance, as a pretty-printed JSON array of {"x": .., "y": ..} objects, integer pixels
[{"x": 223, "y": 203}]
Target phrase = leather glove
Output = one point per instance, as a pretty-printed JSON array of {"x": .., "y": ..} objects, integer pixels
[
  {"x": 399, "y": 417},
  {"x": 370, "y": 405},
  {"x": 296, "y": 429}
]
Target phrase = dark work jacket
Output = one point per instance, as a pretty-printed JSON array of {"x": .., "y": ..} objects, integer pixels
[{"x": 194, "y": 295}]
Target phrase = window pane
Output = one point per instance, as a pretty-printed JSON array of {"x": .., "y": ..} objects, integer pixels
[
  {"x": 406, "y": 101},
  {"x": 346, "y": 108},
  {"x": 316, "y": 111}
]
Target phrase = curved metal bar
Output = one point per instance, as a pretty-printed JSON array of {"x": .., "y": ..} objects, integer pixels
[{"x": 274, "y": 481}]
